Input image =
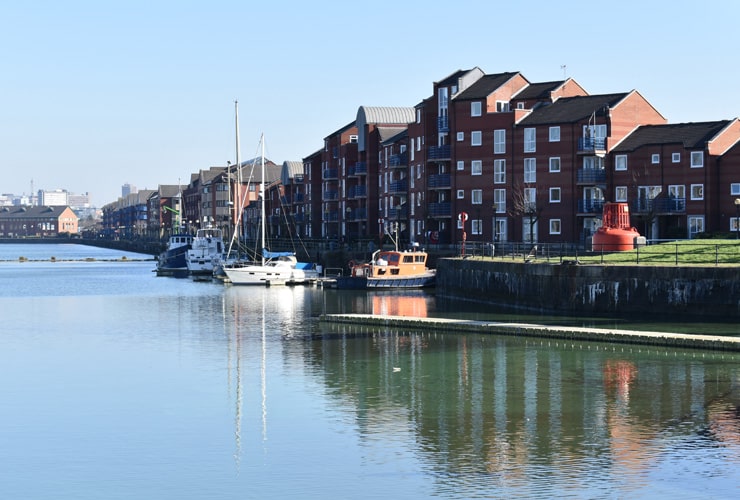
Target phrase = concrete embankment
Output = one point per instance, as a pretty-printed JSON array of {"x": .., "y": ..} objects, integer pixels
[
  {"x": 711, "y": 291},
  {"x": 358, "y": 322}
]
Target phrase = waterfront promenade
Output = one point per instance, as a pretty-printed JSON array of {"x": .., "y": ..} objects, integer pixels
[{"x": 566, "y": 333}]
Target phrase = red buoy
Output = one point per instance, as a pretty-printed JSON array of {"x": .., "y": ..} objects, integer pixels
[{"x": 615, "y": 234}]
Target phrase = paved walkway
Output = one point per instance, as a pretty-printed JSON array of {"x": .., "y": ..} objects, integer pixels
[{"x": 682, "y": 340}]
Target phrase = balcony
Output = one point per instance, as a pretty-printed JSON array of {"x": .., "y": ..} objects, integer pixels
[
  {"x": 359, "y": 168},
  {"x": 443, "y": 209},
  {"x": 439, "y": 152},
  {"x": 331, "y": 216},
  {"x": 660, "y": 206},
  {"x": 398, "y": 187},
  {"x": 398, "y": 213},
  {"x": 399, "y": 160},
  {"x": 590, "y": 206},
  {"x": 591, "y": 176},
  {"x": 440, "y": 181},
  {"x": 357, "y": 191},
  {"x": 357, "y": 214},
  {"x": 443, "y": 124},
  {"x": 330, "y": 195},
  {"x": 591, "y": 145},
  {"x": 330, "y": 174}
]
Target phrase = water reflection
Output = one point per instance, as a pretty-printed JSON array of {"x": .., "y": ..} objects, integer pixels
[{"x": 510, "y": 412}]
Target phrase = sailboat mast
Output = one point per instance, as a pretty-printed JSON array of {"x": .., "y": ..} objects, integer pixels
[
  {"x": 237, "y": 227},
  {"x": 262, "y": 188}
]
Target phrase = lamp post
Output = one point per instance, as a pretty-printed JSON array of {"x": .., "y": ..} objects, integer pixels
[{"x": 737, "y": 218}]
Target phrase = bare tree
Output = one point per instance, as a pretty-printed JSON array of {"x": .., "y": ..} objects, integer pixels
[{"x": 526, "y": 202}]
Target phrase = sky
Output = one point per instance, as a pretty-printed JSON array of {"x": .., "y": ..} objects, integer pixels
[{"x": 97, "y": 94}]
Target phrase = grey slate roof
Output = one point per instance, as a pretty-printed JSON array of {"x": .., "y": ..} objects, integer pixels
[
  {"x": 399, "y": 135},
  {"x": 485, "y": 86},
  {"x": 538, "y": 90},
  {"x": 573, "y": 109},
  {"x": 689, "y": 135},
  {"x": 453, "y": 78},
  {"x": 36, "y": 212},
  {"x": 388, "y": 132}
]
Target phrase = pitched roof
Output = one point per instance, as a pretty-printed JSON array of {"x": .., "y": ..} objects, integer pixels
[
  {"x": 399, "y": 135},
  {"x": 689, "y": 135},
  {"x": 485, "y": 86},
  {"x": 453, "y": 78},
  {"x": 539, "y": 90},
  {"x": 35, "y": 212},
  {"x": 388, "y": 132},
  {"x": 573, "y": 109}
]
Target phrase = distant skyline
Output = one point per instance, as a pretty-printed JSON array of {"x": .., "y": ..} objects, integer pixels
[{"x": 97, "y": 95}]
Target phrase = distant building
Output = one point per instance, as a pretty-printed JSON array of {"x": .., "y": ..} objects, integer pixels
[
  {"x": 58, "y": 197},
  {"x": 128, "y": 189},
  {"x": 41, "y": 221}
]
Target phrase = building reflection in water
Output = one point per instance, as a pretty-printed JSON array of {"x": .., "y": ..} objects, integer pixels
[{"x": 511, "y": 407}]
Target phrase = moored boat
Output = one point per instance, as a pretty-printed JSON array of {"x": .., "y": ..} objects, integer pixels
[
  {"x": 389, "y": 269},
  {"x": 172, "y": 260},
  {"x": 206, "y": 251}
]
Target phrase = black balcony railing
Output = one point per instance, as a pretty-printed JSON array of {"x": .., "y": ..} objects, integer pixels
[
  {"x": 439, "y": 152},
  {"x": 443, "y": 209},
  {"x": 359, "y": 168},
  {"x": 590, "y": 206},
  {"x": 330, "y": 195},
  {"x": 591, "y": 144},
  {"x": 330, "y": 173},
  {"x": 357, "y": 191},
  {"x": 591, "y": 175},
  {"x": 661, "y": 205},
  {"x": 398, "y": 187},
  {"x": 439, "y": 181},
  {"x": 399, "y": 160}
]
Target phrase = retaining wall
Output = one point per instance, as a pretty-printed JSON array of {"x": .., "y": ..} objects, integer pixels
[{"x": 584, "y": 289}]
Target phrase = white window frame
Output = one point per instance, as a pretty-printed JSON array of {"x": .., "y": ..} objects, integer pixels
[
  {"x": 499, "y": 201},
  {"x": 499, "y": 171},
  {"x": 555, "y": 134},
  {"x": 502, "y": 106},
  {"x": 530, "y": 196},
  {"x": 475, "y": 108},
  {"x": 555, "y": 195},
  {"x": 697, "y": 191},
  {"x": 620, "y": 163},
  {"x": 460, "y": 194},
  {"x": 530, "y": 170},
  {"x": 476, "y": 226},
  {"x": 695, "y": 225},
  {"x": 554, "y": 164},
  {"x": 734, "y": 224},
  {"x": 460, "y": 136},
  {"x": 499, "y": 141},
  {"x": 620, "y": 194},
  {"x": 530, "y": 140},
  {"x": 460, "y": 165},
  {"x": 476, "y": 138},
  {"x": 556, "y": 226},
  {"x": 476, "y": 196},
  {"x": 476, "y": 167},
  {"x": 655, "y": 159},
  {"x": 676, "y": 158},
  {"x": 697, "y": 159}
]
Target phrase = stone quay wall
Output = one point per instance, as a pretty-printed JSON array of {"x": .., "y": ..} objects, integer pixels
[{"x": 594, "y": 289}]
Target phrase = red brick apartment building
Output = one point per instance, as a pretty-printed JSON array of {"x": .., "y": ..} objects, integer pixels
[
  {"x": 526, "y": 162},
  {"x": 37, "y": 221}
]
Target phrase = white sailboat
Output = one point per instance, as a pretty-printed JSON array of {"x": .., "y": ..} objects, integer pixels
[{"x": 273, "y": 268}]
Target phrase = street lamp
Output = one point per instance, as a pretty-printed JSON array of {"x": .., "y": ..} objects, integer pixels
[{"x": 737, "y": 218}]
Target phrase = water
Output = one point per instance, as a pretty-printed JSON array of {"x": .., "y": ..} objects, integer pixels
[{"x": 119, "y": 384}]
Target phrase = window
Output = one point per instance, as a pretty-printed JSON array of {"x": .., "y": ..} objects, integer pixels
[
  {"x": 697, "y": 191},
  {"x": 475, "y": 108},
  {"x": 530, "y": 170},
  {"x": 530, "y": 199},
  {"x": 502, "y": 106},
  {"x": 555, "y": 195},
  {"x": 734, "y": 224},
  {"x": 476, "y": 167},
  {"x": 735, "y": 189},
  {"x": 476, "y": 196},
  {"x": 460, "y": 194},
  {"x": 697, "y": 159},
  {"x": 460, "y": 136},
  {"x": 499, "y": 201},
  {"x": 476, "y": 226},
  {"x": 620, "y": 193},
  {"x": 620, "y": 162},
  {"x": 696, "y": 225},
  {"x": 418, "y": 116},
  {"x": 554, "y": 134},
  {"x": 476, "y": 138},
  {"x": 530, "y": 140},
  {"x": 655, "y": 159},
  {"x": 676, "y": 157},
  {"x": 461, "y": 165},
  {"x": 499, "y": 141},
  {"x": 554, "y": 226},
  {"x": 499, "y": 171},
  {"x": 555, "y": 164}
]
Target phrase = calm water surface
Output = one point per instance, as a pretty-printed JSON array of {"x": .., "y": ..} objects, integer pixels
[{"x": 117, "y": 384}]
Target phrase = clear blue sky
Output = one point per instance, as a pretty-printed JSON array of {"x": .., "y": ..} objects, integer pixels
[{"x": 96, "y": 94}]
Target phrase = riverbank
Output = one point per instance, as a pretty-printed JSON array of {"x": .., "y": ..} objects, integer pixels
[{"x": 560, "y": 333}]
